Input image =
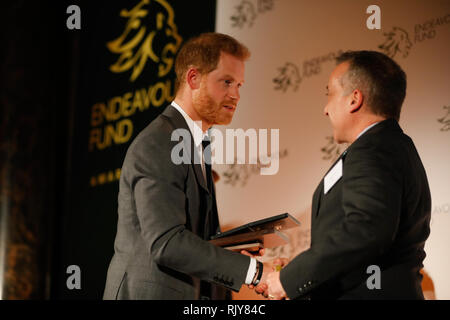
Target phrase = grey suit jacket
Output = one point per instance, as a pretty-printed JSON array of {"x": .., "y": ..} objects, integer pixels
[
  {"x": 378, "y": 213},
  {"x": 165, "y": 214}
]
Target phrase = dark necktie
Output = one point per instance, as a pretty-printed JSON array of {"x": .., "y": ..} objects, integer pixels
[
  {"x": 205, "y": 287},
  {"x": 207, "y": 157}
]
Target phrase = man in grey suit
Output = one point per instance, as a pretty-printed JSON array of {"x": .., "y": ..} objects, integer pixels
[
  {"x": 371, "y": 212},
  {"x": 167, "y": 210}
]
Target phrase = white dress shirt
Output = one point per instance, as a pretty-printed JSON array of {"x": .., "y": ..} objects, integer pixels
[{"x": 198, "y": 135}]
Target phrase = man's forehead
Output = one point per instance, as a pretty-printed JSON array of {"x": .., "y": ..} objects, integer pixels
[
  {"x": 338, "y": 72},
  {"x": 230, "y": 65},
  {"x": 227, "y": 58},
  {"x": 341, "y": 69}
]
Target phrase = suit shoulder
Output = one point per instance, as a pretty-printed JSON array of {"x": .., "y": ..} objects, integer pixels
[
  {"x": 387, "y": 146},
  {"x": 156, "y": 136},
  {"x": 381, "y": 140},
  {"x": 153, "y": 142},
  {"x": 158, "y": 130},
  {"x": 151, "y": 151}
]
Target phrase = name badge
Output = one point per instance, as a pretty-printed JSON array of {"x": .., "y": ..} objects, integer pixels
[{"x": 332, "y": 177}]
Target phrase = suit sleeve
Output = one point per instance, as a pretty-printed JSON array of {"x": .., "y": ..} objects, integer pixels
[
  {"x": 158, "y": 188},
  {"x": 371, "y": 203}
]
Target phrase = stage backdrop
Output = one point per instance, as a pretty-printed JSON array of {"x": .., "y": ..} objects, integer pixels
[
  {"x": 126, "y": 79},
  {"x": 293, "y": 43}
]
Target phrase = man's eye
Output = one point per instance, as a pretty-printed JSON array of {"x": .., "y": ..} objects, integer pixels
[{"x": 228, "y": 82}]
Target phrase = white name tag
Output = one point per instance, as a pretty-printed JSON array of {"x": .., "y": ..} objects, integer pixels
[{"x": 332, "y": 177}]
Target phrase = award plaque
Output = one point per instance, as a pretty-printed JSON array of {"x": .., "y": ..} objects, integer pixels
[{"x": 253, "y": 236}]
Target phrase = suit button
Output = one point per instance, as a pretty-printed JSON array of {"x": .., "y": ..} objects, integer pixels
[
  {"x": 300, "y": 289},
  {"x": 309, "y": 282},
  {"x": 305, "y": 285}
]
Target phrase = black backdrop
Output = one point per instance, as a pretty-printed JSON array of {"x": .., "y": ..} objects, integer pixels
[
  {"x": 35, "y": 72},
  {"x": 108, "y": 110}
]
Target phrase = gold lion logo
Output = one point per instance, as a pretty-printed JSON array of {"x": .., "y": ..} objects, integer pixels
[
  {"x": 396, "y": 41},
  {"x": 150, "y": 22},
  {"x": 289, "y": 76}
]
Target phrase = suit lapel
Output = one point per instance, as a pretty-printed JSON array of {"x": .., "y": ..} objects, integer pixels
[
  {"x": 318, "y": 194},
  {"x": 199, "y": 174},
  {"x": 178, "y": 121},
  {"x": 316, "y": 201}
]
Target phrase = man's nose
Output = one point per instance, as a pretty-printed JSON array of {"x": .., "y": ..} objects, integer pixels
[
  {"x": 233, "y": 93},
  {"x": 325, "y": 111}
]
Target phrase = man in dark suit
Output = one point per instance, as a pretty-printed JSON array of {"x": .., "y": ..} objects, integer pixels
[
  {"x": 371, "y": 212},
  {"x": 167, "y": 208}
]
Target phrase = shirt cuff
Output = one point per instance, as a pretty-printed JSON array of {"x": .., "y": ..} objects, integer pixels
[{"x": 251, "y": 271}]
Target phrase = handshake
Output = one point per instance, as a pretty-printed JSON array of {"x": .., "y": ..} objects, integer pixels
[{"x": 270, "y": 285}]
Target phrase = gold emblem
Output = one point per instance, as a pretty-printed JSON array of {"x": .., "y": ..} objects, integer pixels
[{"x": 136, "y": 45}]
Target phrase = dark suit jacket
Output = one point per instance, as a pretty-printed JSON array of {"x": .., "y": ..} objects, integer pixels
[
  {"x": 165, "y": 215},
  {"x": 378, "y": 213}
]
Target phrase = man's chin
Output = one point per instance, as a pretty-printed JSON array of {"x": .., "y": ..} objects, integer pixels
[
  {"x": 223, "y": 122},
  {"x": 337, "y": 139}
]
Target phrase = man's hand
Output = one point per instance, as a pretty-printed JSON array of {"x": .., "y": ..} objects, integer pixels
[
  {"x": 275, "y": 289},
  {"x": 273, "y": 266},
  {"x": 261, "y": 288},
  {"x": 246, "y": 253},
  {"x": 260, "y": 254}
]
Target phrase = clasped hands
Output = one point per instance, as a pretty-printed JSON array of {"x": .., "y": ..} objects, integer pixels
[{"x": 270, "y": 285}]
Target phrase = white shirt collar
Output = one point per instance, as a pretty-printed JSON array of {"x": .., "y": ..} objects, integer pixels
[
  {"x": 364, "y": 131},
  {"x": 194, "y": 126}
]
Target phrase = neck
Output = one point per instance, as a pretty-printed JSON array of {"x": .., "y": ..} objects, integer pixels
[
  {"x": 186, "y": 103},
  {"x": 359, "y": 127}
]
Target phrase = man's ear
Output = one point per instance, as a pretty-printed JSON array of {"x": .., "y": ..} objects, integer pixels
[
  {"x": 193, "y": 78},
  {"x": 356, "y": 100}
]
